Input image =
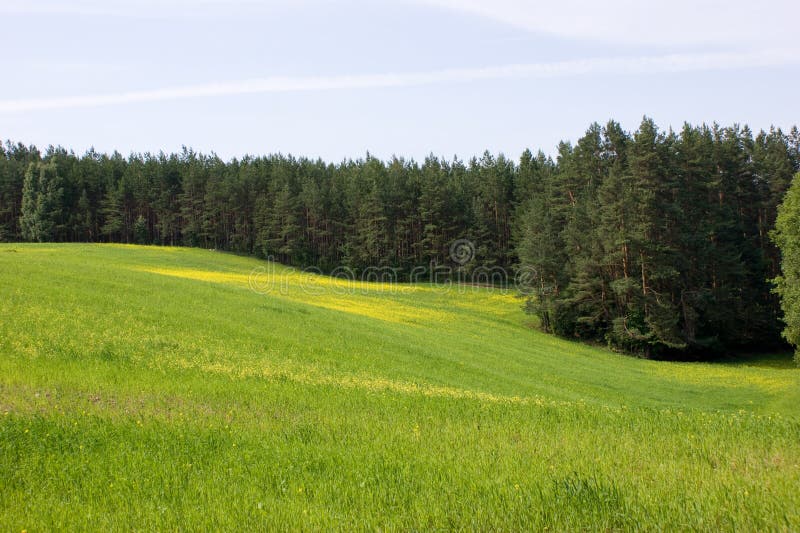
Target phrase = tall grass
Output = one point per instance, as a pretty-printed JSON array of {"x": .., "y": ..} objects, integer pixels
[{"x": 152, "y": 388}]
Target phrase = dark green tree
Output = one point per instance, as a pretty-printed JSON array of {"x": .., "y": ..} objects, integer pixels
[
  {"x": 114, "y": 227},
  {"x": 141, "y": 234},
  {"x": 42, "y": 208}
]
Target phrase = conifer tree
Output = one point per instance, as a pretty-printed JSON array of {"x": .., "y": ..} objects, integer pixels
[
  {"x": 140, "y": 232},
  {"x": 42, "y": 208},
  {"x": 367, "y": 245},
  {"x": 112, "y": 211},
  {"x": 284, "y": 226}
]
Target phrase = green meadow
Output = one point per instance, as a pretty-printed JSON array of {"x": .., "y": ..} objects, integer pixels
[{"x": 148, "y": 388}]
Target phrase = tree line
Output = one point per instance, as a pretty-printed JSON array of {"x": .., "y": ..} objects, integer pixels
[
  {"x": 362, "y": 213},
  {"x": 655, "y": 242}
]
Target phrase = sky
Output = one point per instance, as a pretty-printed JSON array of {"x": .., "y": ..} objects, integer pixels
[{"x": 339, "y": 78}]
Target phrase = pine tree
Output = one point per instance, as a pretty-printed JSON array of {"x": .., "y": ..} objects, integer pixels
[
  {"x": 84, "y": 223},
  {"x": 42, "y": 208},
  {"x": 193, "y": 182},
  {"x": 367, "y": 246},
  {"x": 432, "y": 212},
  {"x": 141, "y": 235},
  {"x": 29, "y": 219},
  {"x": 282, "y": 238},
  {"x": 216, "y": 217},
  {"x": 112, "y": 210},
  {"x": 654, "y": 326},
  {"x": 541, "y": 273},
  {"x": 492, "y": 182},
  {"x": 584, "y": 301},
  {"x": 8, "y": 194},
  {"x": 695, "y": 171}
]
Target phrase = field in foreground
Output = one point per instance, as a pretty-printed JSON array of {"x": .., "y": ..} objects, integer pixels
[{"x": 153, "y": 388}]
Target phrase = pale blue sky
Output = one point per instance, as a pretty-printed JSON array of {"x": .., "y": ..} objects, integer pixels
[{"x": 407, "y": 77}]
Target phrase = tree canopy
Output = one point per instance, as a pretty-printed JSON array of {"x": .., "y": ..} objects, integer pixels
[
  {"x": 787, "y": 237},
  {"x": 655, "y": 242}
]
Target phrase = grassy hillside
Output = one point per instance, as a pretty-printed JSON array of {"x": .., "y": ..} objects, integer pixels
[{"x": 146, "y": 388}]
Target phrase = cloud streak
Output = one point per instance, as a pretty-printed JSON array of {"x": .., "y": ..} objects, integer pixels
[
  {"x": 677, "y": 22},
  {"x": 673, "y": 63}
]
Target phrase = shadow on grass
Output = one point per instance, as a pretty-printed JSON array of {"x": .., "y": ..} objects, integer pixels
[{"x": 763, "y": 360}]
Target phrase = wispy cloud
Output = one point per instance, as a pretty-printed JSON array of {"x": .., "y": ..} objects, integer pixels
[
  {"x": 145, "y": 8},
  {"x": 621, "y": 65},
  {"x": 673, "y": 23}
]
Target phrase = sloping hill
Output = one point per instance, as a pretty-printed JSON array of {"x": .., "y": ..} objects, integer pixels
[{"x": 145, "y": 387}]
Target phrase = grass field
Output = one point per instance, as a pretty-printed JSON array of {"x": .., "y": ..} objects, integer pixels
[{"x": 152, "y": 388}]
